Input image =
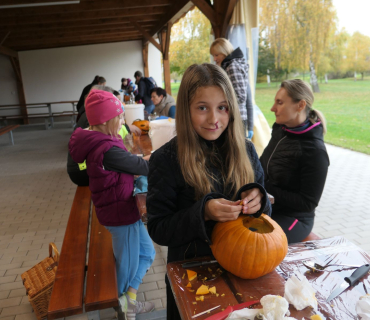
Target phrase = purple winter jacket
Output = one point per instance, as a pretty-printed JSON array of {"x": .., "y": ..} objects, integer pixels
[{"x": 111, "y": 191}]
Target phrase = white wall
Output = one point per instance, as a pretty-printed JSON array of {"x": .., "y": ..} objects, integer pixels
[
  {"x": 60, "y": 74},
  {"x": 155, "y": 64}
]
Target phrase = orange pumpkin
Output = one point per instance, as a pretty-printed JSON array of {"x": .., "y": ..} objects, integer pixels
[
  {"x": 249, "y": 247},
  {"x": 126, "y": 98},
  {"x": 143, "y": 125}
]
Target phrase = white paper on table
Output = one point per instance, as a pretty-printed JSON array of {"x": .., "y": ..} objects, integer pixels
[
  {"x": 274, "y": 308},
  {"x": 300, "y": 293}
]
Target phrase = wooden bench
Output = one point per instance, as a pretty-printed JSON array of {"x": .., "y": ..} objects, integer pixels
[
  {"x": 68, "y": 296},
  {"x": 48, "y": 116},
  {"x": 9, "y": 129},
  {"x": 72, "y": 114},
  {"x": 310, "y": 237},
  {"x": 45, "y": 116}
]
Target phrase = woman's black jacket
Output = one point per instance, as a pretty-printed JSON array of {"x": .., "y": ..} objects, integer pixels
[
  {"x": 176, "y": 219},
  {"x": 295, "y": 167}
]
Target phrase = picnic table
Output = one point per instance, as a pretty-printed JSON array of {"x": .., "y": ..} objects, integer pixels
[{"x": 233, "y": 290}]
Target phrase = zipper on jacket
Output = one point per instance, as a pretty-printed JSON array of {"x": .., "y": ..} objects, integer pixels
[{"x": 268, "y": 162}]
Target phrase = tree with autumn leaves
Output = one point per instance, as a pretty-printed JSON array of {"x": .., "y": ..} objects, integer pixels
[
  {"x": 358, "y": 54},
  {"x": 190, "y": 41},
  {"x": 302, "y": 35},
  {"x": 296, "y": 35},
  {"x": 298, "y": 32}
]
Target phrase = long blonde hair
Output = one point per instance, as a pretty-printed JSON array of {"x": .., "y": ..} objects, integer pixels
[
  {"x": 238, "y": 169},
  {"x": 221, "y": 46},
  {"x": 299, "y": 90}
]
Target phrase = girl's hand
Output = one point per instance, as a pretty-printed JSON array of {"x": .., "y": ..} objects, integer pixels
[
  {"x": 222, "y": 210},
  {"x": 251, "y": 200},
  {"x": 135, "y": 129},
  {"x": 147, "y": 157}
]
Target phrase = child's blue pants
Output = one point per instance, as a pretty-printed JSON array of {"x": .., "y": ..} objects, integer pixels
[{"x": 134, "y": 253}]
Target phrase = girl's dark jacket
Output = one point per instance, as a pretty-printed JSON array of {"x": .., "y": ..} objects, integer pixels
[
  {"x": 295, "y": 166},
  {"x": 176, "y": 219}
]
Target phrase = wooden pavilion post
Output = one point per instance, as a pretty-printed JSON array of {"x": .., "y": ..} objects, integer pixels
[
  {"x": 219, "y": 14},
  {"x": 165, "y": 42},
  {"x": 145, "y": 59},
  {"x": 14, "y": 59}
]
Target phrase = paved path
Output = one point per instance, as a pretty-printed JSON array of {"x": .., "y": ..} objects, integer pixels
[{"x": 36, "y": 196}]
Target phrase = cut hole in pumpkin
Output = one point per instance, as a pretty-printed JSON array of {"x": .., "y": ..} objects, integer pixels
[{"x": 258, "y": 225}]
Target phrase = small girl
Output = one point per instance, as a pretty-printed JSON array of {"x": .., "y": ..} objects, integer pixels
[
  {"x": 199, "y": 177},
  {"x": 111, "y": 169}
]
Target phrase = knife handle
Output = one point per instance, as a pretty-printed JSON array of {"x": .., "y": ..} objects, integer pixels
[
  {"x": 357, "y": 274},
  {"x": 191, "y": 264}
]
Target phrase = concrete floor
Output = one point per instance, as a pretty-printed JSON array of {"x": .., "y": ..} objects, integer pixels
[{"x": 36, "y": 196}]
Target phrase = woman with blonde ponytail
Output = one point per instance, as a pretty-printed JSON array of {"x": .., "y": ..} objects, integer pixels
[
  {"x": 201, "y": 176},
  {"x": 295, "y": 161}
]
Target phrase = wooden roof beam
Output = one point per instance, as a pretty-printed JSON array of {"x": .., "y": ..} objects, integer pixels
[
  {"x": 147, "y": 35},
  {"x": 64, "y": 32},
  {"x": 152, "y": 19},
  {"x": 59, "y": 44},
  {"x": 206, "y": 8},
  {"x": 8, "y": 52},
  {"x": 37, "y": 41},
  {"x": 84, "y": 6},
  {"x": 138, "y": 14},
  {"x": 61, "y": 34},
  {"x": 174, "y": 13}
]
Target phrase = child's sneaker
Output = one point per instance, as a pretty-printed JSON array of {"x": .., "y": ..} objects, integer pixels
[{"x": 132, "y": 307}]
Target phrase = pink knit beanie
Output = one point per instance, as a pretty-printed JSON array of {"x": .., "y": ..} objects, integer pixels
[{"x": 101, "y": 106}]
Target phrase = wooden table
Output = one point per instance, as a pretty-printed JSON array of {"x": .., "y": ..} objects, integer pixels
[
  {"x": 139, "y": 145},
  {"x": 237, "y": 290}
]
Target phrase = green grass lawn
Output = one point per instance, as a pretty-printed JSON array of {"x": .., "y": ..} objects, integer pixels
[
  {"x": 175, "y": 89},
  {"x": 345, "y": 104}
]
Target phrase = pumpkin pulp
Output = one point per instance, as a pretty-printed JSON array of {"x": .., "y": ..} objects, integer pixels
[{"x": 259, "y": 225}]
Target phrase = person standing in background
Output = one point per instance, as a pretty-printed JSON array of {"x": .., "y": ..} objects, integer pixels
[
  {"x": 81, "y": 109},
  {"x": 85, "y": 92},
  {"x": 144, "y": 92},
  {"x": 233, "y": 62}
]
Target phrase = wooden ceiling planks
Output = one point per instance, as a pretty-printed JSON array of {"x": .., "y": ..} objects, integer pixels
[
  {"x": 89, "y": 22},
  {"x": 28, "y": 2}
]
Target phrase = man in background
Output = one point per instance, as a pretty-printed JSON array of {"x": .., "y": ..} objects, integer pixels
[{"x": 145, "y": 86}]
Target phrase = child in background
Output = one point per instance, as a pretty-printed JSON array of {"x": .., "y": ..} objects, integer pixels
[
  {"x": 111, "y": 169},
  {"x": 199, "y": 177},
  {"x": 132, "y": 128},
  {"x": 77, "y": 172}
]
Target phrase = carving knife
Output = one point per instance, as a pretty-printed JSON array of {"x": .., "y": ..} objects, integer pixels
[
  {"x": 197, "y": 263},
  {"x": 349, "y": 281}
]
